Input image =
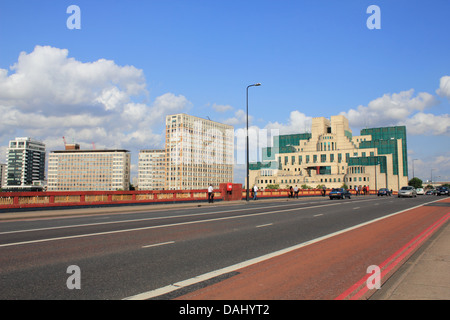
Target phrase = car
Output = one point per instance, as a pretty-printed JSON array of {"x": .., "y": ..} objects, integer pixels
[
  {"x": 442, "y": 191},
  {"x": 429, "y": 192},
  {"x": 339, "y": 193},
  {"x": 420, "y": 191},
  {"x": 384, "y": 192},
  {"x": 407, "y": 192}
]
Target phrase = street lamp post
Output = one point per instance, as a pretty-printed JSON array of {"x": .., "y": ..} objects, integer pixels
[
  {"x": 247, "y": 187},
  {"x": 413, "y": 167}
]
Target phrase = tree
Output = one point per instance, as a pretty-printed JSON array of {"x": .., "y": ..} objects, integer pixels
[{"x": 415, "y": 182}]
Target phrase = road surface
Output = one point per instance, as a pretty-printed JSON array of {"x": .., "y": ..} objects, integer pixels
[{"x": 312, "y": 248}]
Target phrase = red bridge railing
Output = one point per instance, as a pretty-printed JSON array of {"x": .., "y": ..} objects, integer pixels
[{"x": 13, "y": 200}]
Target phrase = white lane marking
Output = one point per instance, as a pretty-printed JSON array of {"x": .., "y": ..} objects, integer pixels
[
  {"x": 139, "y": 220},
  {"x": 158, "y": 244},
  {"x": 355, "y": 208},
  {"x": 264, "y": 225},
  {"x": 161, "y": 226},
  {"x": 185, "y": 283},
  {"x": 318, "y": 215}
]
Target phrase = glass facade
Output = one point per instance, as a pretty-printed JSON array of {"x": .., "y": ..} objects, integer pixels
[{"x": 385, "y": 140}]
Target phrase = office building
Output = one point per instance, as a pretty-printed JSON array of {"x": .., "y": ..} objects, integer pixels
[
  {"x": 2, "y": 175},
  {"x": 25, "y": 165},
  {"x": 198, "y": 151},
  {"x": 331, "y": 156},
  {"x": 151, "y": 169},
  {"x": 74, "y": 169}
]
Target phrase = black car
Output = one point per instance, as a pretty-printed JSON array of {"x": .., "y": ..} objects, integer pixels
[
  {"x": 384, "y": 192},
  {"x": 442, "y": 191},
  {"x": 339, "y": 193}
]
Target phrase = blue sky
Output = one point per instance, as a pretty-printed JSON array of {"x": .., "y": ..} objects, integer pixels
[{"x": 132, "y": 62}]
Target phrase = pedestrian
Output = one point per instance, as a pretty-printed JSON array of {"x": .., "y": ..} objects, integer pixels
[
  {"x": 356, "y": 190},
  {"x": 296, "y": 191},
  {"x": 255, "y": 191},
  {"x": 290, "y": 192},
  {"x": 210, "y": 194},
  {"x": 324, "y": 190}
]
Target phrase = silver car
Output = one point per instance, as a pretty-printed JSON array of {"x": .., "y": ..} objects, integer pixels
[{"x": 407, "y": 192}]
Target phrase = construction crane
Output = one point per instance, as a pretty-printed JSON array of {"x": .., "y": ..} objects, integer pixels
[{"x": 64, "y": 139}]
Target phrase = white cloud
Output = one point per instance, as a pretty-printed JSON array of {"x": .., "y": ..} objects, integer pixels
[
  {"x": 297, "y": 123},
  {"x": 389, "y": 109},
  {"x": 222, "y": 108},
  {"x": 426, "y": 123},
  {"x": 46, "y": 79},
  {"x": 49, "y": 95},
  {"x": 444, "y": 87},
  {"x": 240, "y": 118},
  {"x": 402, "y": 108}
]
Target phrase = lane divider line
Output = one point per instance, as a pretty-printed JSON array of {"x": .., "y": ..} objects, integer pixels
[
  {"x": 158, "y": 244},
  {"x": 165, "y": 217},
  {"x": 162, "y": 226}
]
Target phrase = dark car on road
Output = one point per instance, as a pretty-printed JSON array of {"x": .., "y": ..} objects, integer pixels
[
  {"x": 339, "y": 193},
  {"x": 442, "y": 191},
  {"x": 384, "y": 192}
]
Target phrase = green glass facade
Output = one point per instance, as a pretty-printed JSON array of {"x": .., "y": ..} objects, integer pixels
[
  {"x": 369, "y": 161},
  {"x": 385, "y": 140},
  {"x": 284, "y": 144}
]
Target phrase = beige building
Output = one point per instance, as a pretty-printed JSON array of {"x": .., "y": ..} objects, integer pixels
[
  {"x": 331, "y": 156},
  {"x": 199, "y": 152},
  {"x": 88, "y": 170},
  {"x": 151, "y": 169}
]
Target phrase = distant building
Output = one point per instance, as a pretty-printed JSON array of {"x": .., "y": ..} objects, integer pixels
[
  {"x": 88, "y": 170},
  {"x": 2, "y": 175},
  {"x": 151, "y": 169},
  {"x": 199, "y": 152},
  {"x": 25, "y": 165},
  {"x": 331, "y": 156}
]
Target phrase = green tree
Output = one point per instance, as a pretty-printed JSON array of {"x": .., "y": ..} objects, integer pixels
[{"x": 415, "y": 182}]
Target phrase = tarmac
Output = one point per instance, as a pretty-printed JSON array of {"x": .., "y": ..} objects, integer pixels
[{"x": 425, "y": 275}]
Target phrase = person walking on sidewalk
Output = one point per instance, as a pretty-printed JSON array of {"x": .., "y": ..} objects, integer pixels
[
  {"x": 255, "y": 191},
  {"x": 210, "y": 194}
]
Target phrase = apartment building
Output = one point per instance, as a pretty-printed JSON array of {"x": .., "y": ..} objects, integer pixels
[
  {"x": 25, "y": 165},
  {"x": 198, "y": 152},
  {"x": 2, "y": 175},
  {"x": 151, "y": 169},
  {"x": 331, "y": 156},
  {"x": 88, "y": 170}
]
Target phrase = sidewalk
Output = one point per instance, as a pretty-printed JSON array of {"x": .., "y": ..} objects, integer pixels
[{"x": 426, "y": 274}]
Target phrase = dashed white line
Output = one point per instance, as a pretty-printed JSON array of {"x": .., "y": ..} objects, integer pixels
[
  {"x": 264, "y": 225},
  {"x": 158, "y": 244}
]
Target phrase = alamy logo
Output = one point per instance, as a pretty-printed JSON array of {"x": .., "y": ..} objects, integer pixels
[
  {"x": 74, "y": 21},
  {"x": 374, "y": 280},
  {"x": 74, "y": 281},
  {"x": 374, "y": 21}
]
